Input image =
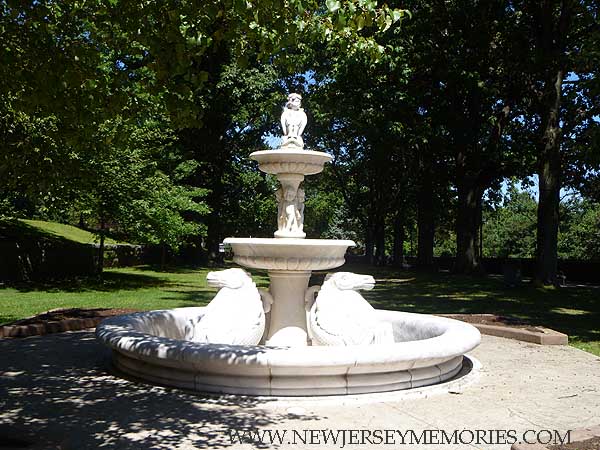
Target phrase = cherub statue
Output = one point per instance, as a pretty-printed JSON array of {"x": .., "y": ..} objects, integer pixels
[
  {"x": 287, "y": 210},
  {"x": 291, "y": 218},
  {"x": 293, "y": 121},
  {"x": 280, "y": 209}
]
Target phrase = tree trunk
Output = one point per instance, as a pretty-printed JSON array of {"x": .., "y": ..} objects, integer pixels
[
  {"x": 214, "y": 225},
  {"x": 549, "y": 170},
  {"x": 480, "y": 220},
  {"x": 101, "y": 248},
  {"x": 380, "y": 242},
  {"x": 369, "y": 242},
  {"x": 163, "y": 256},
  {"x": 467, "y": 227},
  {"x": 425, "y": 224},
  {"x": 398, "y": 250},
  {"x": 213, "y": 237}
]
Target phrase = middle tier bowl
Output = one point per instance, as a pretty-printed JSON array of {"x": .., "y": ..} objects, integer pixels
[
  {"x": 302, "y": 162},
  {"x": 289, "y": 254}
]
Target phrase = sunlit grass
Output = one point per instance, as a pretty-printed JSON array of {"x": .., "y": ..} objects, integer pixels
[{"x": 68, "y": 232}]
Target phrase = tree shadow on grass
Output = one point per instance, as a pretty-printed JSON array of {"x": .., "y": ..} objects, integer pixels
[
  {"x": 57, "y": 389},
  {"x": 201, "y": 297},
  {"x": 179, "y": 269},
  {"x": 109, "y": 281},
  {"x": 574, "y": 310}
]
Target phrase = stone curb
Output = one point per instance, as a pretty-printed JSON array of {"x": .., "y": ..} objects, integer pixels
[
  {"x": 544, "y": 336},
  {"x": 577, "y": 435},
  {"x": 57, "y": 326}
]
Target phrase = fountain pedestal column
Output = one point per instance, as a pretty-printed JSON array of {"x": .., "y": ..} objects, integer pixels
[
  {"x": 289, "y": 258},
  {"x": 287, "y": 326}
]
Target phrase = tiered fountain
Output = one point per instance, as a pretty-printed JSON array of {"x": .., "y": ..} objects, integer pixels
[{"x": 289, "y": 343}]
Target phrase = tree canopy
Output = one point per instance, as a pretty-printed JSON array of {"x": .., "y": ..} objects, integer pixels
[{"x": 137, "y": 118}]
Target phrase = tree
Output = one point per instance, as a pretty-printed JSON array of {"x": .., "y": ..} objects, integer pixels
[
  {"x": 509, "y": 228},
  {"x": 579, "y": 232},
  {"x": 209, "y": 64},
  {"x": 563, "y": 35},
  {"x": 115, "y": 59}
]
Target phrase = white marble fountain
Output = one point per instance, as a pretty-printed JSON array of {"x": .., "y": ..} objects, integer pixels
[{"x": 292, "y": 339}]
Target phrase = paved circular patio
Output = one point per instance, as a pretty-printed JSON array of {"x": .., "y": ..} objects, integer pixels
[{"x": 57, "y": 391}]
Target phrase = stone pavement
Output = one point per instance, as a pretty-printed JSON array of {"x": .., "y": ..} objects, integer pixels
[{"x": 56, "y": 391}]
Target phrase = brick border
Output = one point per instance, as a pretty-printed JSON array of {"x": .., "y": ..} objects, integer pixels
[
  {"x": 577, "y": 435},
  {"x": 55, "y": 326}
]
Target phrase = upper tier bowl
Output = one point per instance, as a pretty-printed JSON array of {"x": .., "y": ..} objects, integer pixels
[
  {"x": 288, "y": 253},
  {"x": 305, "y": 162}
]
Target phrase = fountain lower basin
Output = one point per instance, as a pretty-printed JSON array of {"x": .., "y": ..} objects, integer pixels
[{"x": 153, "y": 346}]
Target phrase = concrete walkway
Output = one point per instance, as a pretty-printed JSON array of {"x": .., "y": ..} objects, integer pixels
[{"x": 56, "y": 391}]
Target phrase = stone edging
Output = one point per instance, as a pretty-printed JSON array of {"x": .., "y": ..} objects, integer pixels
[
  {"x": 544, "y": 336},
  {"x": 55, "y": 326},
  {"x": 577, "y": 435}
]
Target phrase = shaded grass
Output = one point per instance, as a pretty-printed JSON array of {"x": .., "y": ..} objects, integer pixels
[{"x": 571, "y": 310}]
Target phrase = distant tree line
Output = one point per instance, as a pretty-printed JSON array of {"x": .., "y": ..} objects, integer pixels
[{"x": 138, "y": 118}]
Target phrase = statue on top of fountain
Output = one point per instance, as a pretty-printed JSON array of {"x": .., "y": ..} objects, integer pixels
[{"x": 293, "y": 121}]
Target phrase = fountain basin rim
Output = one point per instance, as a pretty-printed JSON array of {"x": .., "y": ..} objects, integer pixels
[
  {"x": 281, "y": 242},
  {"x": 453, "y": 338},
  {"x": 278, "y": 152},
  {"x": 293, "y": 371}
]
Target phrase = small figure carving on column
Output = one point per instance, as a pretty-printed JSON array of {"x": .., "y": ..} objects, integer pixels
[
  {"x": 291, "y": 217},
  {"x": 280, "y": 209},
  {"x": 293, "y": 121},
  {"x": 290, "y": 212},
  {"x": 300, "y": 197}
]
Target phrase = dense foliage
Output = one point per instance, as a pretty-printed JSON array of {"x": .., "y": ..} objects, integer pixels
[{"x": 137, "y": 118}]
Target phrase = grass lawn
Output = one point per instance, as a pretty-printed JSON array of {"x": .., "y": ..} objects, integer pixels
[
  {"x": 572, "y": 310},
  {"x": 140, "y": 287},
  {"x": 54, "y": 229}
]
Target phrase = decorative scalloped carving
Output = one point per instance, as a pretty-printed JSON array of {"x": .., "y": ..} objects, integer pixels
[
  {"x": 286, "y": 263},
  {"x": 302, "y": 162},
  {"x": 291, "y": 167}
]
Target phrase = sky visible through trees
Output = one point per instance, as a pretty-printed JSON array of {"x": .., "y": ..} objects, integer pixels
[{"x": 136, "y": 120}]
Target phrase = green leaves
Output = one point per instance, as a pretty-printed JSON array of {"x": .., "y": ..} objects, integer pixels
[{"x": 333, "y": 5}]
